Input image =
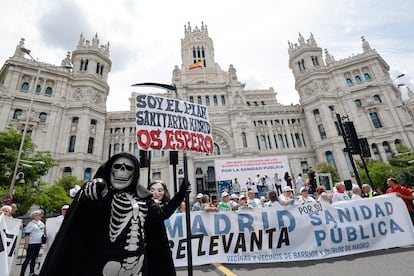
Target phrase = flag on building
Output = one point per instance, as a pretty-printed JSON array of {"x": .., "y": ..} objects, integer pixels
[{"x": 196, "y": 65}]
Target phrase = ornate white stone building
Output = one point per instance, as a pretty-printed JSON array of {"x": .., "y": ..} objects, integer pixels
[{"x": 69, "y": 115}]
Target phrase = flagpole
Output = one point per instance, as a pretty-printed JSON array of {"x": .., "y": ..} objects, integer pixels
[{"x": 172, "y": 88}]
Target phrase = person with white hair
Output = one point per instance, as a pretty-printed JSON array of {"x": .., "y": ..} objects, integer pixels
[
  {"x": 34, "y": 232},
  {"x": 367, "y": 191},
  {"x": 6, "y": 210},
  {"x": 356, "y": 192},
  {"x": 340, "y": 193}
]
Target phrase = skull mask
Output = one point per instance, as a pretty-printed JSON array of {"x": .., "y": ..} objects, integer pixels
[{"x": 122, "y": 173}]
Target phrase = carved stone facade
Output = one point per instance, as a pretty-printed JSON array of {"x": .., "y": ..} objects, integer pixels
[{"x": 245, "y": 123}]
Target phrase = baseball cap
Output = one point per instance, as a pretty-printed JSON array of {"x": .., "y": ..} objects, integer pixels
[
  {"x": 303, "y": 189},
  {"x": 234, "y": 196},
  {"x": 200, "y": 195},
  {"x": 65, "y": 207},
  {"x": 287, "y": 189},
  {"x": 242, "y": 196},
  {"x": 224, "y": 194}
]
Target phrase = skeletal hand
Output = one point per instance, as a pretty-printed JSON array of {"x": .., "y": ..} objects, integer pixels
[{"x": 96, "y": 189}]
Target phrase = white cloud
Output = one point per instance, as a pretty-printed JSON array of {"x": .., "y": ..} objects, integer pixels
[{"x": 252, "y": 35}]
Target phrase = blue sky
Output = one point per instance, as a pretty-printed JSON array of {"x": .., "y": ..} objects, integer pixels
[{"x": 145, "y": 36}]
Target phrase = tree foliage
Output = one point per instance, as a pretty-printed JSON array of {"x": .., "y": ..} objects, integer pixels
[
  {"x": 33, "y": 165},
  {"x": 52, "y": 199},
  {"x": 325, "y": 167}
]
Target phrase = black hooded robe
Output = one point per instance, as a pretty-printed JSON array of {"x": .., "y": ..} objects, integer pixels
[{"x": 82, "y": 245}]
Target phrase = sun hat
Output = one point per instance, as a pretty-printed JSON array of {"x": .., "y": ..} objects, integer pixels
[
  {"x": 65, "y": 207},
  {"x": 34, "y": 213}
]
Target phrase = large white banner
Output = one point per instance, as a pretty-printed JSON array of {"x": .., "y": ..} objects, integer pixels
[
  {"x": 169, "y": 124},
  {"x": 9, "y": 237},
  {"x": 294, "y": 233},
  {"x": 228, "y": 169}
]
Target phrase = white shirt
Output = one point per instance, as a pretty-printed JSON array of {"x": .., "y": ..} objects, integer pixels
[
  {"x": 340, "y": 197},
  {"x": 36, "y": 230},
  {"x": 303, "y": 200},
  {"x": 355, "y": 197}
]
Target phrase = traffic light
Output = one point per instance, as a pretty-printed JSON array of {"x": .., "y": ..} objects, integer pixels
[
  {"x": 364, "y": 146},
  {"x": 351, "y": 138},
  {"x": 143, "y": 158},
  {"x": 173, "y": 157}
]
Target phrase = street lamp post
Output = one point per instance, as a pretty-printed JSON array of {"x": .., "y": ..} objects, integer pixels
[{"x": 28, "y": 112}]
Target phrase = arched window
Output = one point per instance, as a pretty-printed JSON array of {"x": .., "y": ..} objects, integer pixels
[
  {"x": 86, "y": 65},
  {"x": 199, "y": 100},
  {"x": 93, "y": 122},
  {"x": 215, "y": 100},
  {"x": 262, "y": 142},
  {"x": 191, "y": 99},
  {"x": 98, "y": 65},
  {"x": 377, "y": 99},
  {"x": 38, "y": 89},
  {"x": 367, "y": 77},
  {"x": 358, "y": 103},
  {"x": 75, "y": 120},
  {"x": 223, "y": 100},
  {"x": 322, "y": 132},
  {"x": 244, "y": 139},
  {"x": 203, "y": 54},
  {"x": 17, "y": 113},
  {"x": 375, "y": 119},
  {"x": 49, "y": 91},
  {"x": 90, "y": 144},
  {"x": 67, "y": 171},
  {"x": 87, "y": 175},
  {"x": 101, "y": 71},
  {"x": 281, "y": 141},
  {"x": 357, "y": 79},
  {"x": 216, "y": 149},
  {"x": 207, "y": 100},
  {"x": 315, "y": 112},
  {"x": 25, "y": 87},
  {"x": 387, "y": 149},
  {"x": 375, "y": 151},
  {"x": 330, "y": 158},
  {"x": 397, "y": 142},
  {"x": 298, "y": 141},
  {"x": 348, "y": 82},
  {"x": 117, "y": 148},
  {"x": 194, "y": 53},
  {"x": 136, "y": 150},
  {"x": 72, "y": 143},
  {"x": 42, "y": 117}
]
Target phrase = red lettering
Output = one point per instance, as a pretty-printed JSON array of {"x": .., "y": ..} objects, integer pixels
[
  {"x": 169, "y": 135},
  {"x": 156, "y": 142},
  {"x": 143, "y": 138}
]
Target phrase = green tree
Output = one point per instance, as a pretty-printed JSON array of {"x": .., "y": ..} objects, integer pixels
[
  {"x": 379, "y": 173},
  {"x": 68, "y": 182},
  {"x": 33, "y": 165},
  {"x": 52, "y": 199},
  {"x": 325, "y": 167}
]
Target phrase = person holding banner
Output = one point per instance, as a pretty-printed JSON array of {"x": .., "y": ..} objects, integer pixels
[
  {"x": 402, "y": 192},
  {"x": 159, "y": 256}
]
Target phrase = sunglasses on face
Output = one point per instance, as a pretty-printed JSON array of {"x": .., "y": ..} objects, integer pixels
[{"x": 127, "y": 167}]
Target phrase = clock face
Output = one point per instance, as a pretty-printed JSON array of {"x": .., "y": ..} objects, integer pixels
[{"x": 197, "y": 38}]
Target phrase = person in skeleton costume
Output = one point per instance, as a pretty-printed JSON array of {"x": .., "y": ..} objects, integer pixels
[{"x": 103, "y": 231}]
